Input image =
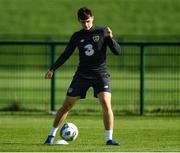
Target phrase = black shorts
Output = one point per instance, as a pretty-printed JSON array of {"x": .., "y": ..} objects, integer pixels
[{"x": 80, "y": 85}]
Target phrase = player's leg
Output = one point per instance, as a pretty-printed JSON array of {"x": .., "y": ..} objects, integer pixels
[
  {"x": 76, "y": 90},
  {"x": 108, "y": 117},
  {"x": 63, "y": 111},
  {"x": 61, "y": 116}
]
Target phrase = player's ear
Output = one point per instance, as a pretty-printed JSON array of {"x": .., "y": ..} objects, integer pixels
[{"x": 92, "y": 18}]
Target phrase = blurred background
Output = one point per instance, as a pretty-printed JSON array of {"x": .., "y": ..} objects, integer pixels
[
  {"x": 57, "y": 20},
  {"x": 145, "y": 78}
]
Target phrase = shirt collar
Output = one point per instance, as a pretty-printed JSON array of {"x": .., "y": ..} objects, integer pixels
[{"x": 91, "y": 29}]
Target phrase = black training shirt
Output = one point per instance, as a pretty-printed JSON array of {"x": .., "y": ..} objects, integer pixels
[{"x": 92, "y": 46}]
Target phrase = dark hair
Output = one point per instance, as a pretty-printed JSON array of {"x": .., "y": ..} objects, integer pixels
[{"x": 84, "y": 13}]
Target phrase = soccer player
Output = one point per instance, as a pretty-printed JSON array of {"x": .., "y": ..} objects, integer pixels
[{"x": 91, "y": 42}]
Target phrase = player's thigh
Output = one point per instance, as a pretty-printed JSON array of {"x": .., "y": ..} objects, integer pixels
[
  {"x": 69, "y": 102},
  {"x": 104, "y": 97}
]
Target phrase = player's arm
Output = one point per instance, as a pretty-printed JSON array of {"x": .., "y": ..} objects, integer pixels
[
  {"x": 113, "y": 45},
  {"x": 62, "y": 58}
]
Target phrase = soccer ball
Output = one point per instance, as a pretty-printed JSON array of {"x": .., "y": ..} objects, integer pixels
[{"x": 69, "y": 131}]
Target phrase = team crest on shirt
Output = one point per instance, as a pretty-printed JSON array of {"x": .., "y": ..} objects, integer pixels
[
  {"x": 95, "y": 38},
  {"x": 70, "y": 90}
]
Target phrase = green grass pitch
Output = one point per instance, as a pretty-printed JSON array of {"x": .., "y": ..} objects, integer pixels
[{"x": 24, "y": 133}]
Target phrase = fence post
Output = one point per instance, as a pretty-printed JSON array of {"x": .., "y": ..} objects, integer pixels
[
  {"x": 142, "y": 69},
  {"x": 52, "y": 80}
]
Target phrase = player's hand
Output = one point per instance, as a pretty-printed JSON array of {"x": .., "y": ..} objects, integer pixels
[
  {"x": 49, "y": 74},
  {"x": 108, "y": 32}
]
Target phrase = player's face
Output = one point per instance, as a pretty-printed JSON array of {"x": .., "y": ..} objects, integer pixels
[{"x": 87, "y": 24}]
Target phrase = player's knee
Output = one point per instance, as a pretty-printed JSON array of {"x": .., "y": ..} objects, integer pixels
[
  {"x": 106, "y": 105},
  {"x": 103, "y": 101}
]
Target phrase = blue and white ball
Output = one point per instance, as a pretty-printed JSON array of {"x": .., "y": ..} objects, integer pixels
[{"x": 69, "y": 131}]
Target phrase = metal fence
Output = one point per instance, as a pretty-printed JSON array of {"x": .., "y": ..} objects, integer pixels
[{"x": 145, "y": 78}]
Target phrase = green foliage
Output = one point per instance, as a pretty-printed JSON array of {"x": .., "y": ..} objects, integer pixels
[{"x": 58, "y": 17}]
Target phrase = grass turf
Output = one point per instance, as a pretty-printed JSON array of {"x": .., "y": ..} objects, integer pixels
[{"x": 25, "y": 132}]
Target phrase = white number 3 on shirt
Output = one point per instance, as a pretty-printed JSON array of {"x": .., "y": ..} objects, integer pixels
[{"x": 89, "y": 50}]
